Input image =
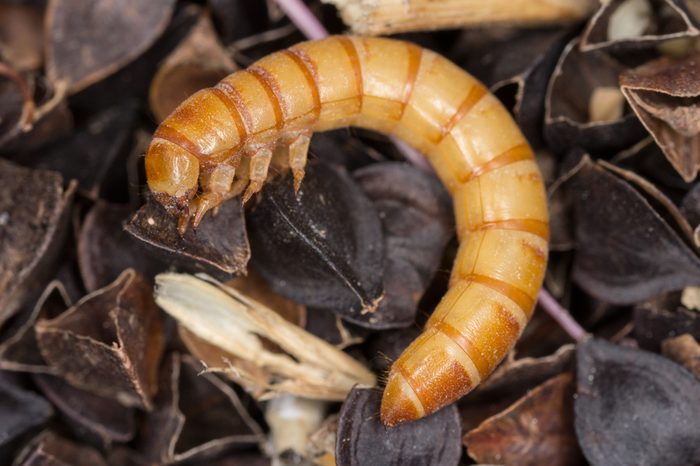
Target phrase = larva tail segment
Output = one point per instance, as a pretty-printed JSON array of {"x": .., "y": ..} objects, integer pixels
[
  {"x": 431, "y": 373},
  {"x": 399, "y": 403}
]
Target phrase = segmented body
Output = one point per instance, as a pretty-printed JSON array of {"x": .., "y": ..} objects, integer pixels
[{"x": 401, "y": 89}]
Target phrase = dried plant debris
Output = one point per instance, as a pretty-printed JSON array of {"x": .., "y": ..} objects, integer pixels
[
  {"x": 685, "y": 350},
  {"x": 332, "y": 328},
  {"x": 321, "y": 446},
  {"x": 94, "y": 154},
  {"x": 620, "y": 232},
  {"x": 322, "y": 246},
  {"x": 416, "y": 216},
  {"x": 537, "y": 429},
  {"x": 528, "y": 372},
  {"x": 196, "y": 416},
  {"x": 663, "y": 204},
  {"x": 531, "y": 81},
  {"x": 635, "y": 407},
  {"x": 95, "y": 418},
  {"x": 253, "y": 378},
  {"x": 108, "y": 343},
  {"x": 69, "y": 276},
  {"x": 219, "y": 246},
  {"x": 634, "y": 22},
  {"x": 16, "y": 104},
  {"x": 124, "y": 456},
  {"x": 665, "y": 95},
  {"x": 105, "y": 249},
  {"x": 663, "y": 318},
  {"x": 690, "y": 298},
  {"x": 133, "y": 80},
  {"x": 561, "y": 207},
  {"x": 510, "y": 382},
  {"x": 364, "y": 440},
  {"x": 21, "y": 35},
  {"x": 52, "y": 119},
  {"x": 21, "y": 412},
  {"x": 239, "y": 459},
  {"x": 82, "y": 87},
  {"x": 307, "y": 365},
  {"x": 391, "y": 16},
  {"x": 573, "y": 89},
  {"x": 647, "y": 160},
  {"x": 247, "y": 458},
  {"x": 519, "y": 65},
  {"x": 34, "y": 212},
  {"x": 88, "y": 41},
  {"x": 49, "y": 449},
  {"x": 690, "y": 207},
  {"x": 19, "y": 349},
  {"x": 253, "y": 286},
  {"x": 292, "y": 421},
  {"x": 199, "y": 61}
]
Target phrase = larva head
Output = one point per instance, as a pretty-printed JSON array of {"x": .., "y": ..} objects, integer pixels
[{"x": 172, "y": 174}]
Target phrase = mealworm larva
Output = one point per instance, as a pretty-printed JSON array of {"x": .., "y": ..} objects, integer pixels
[{"x": 222, "y": 140}]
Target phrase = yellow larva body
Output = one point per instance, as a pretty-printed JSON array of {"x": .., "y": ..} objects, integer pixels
[{"x": 401, "y": 89}]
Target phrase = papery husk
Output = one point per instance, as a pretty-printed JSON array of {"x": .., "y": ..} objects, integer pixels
[
  {"x": 664, "y": 94},
  {"x": 108, "y": 343},
  {"x": 634, "y": 24},
  {"x": 537, "y": 429},
  {"x": 685, "y": 350},
  {"x": 199, "y": 61},
  {"x": 390, "y": 16},
  {"x": 196, "y": 418},
  {"x": 253, "y": 286},
  {"x": 307, "y": 366},
  {"x": 292, "y": 421},
  {"x": 19, "y": 350},
  {"x": 21, "y": 35},
  {"x": 573, "y": 115},
  {"x": 25, "y": 115},
  {"x": 36, "y": 210},
  {"x": 88, "y": 41}
]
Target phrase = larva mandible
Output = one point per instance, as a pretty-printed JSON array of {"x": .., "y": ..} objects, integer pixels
[{"x": 222, "y": 139}]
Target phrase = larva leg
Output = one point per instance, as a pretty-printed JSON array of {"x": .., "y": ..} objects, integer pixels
[
  {"x": 216, "y": 185},
  {"x": 183, "y": 220},
  {"x": 233, "y": 162},
  {"x": 259, "y": 164},
  {"x": 298, "y": 152}
]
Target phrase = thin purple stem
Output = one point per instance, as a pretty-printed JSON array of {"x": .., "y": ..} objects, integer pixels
[
  {"x": 412, "y": 155},
  {"x": 303, "y": 18},
  {"x": 561, "y": 315}
]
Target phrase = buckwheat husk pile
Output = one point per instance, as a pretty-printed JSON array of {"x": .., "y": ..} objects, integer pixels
[{"x": 95, "y": 370}]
